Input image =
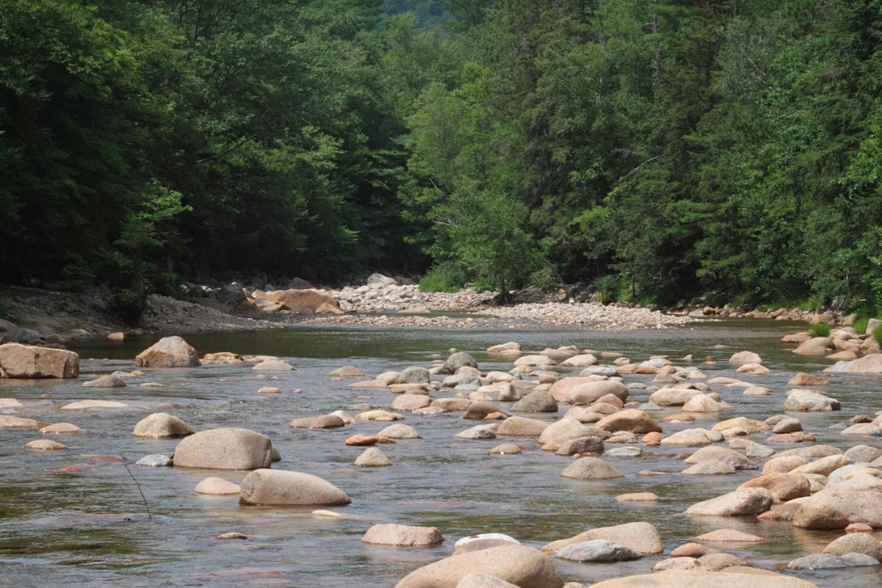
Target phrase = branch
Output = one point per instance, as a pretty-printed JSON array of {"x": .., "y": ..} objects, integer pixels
[{"x": 635, "y": 170}]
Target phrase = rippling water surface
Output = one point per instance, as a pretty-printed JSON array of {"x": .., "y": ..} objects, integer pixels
[{"x": 90, "y": 528}]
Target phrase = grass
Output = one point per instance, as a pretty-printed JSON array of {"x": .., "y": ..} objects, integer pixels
[
  {"x": 442, "y": 278},
  {"x": 820, "y": 330},
  {"x": 860, "y": 325},
  {"x": 877, "y": 334}
]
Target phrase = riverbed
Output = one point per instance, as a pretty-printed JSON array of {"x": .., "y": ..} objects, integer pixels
[{"x": 90, "y": 527}]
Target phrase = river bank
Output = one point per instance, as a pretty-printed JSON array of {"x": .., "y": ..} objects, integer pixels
[{"x": 57, "y": 317}]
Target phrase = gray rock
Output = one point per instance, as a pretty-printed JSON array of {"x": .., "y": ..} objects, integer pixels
[
  {"x": 581, "y": 445},
  {"x": 591, "y": 468},
  {"x": 225, "y": 449},
  {"x": 373, "y": 458},
  {"x": 538, "y": 401},
  {"x": 414, "y": 375},
  {"x": 159, "y": 425},
  {"x": 458, "y": 360},
  {"x": 157, "y": 460},
  {"x": 826, "y": 561},
  {"x": 597, "y": 550},
  {"x": 108, "y": 381},
  {"x": 26, "y": 336}
]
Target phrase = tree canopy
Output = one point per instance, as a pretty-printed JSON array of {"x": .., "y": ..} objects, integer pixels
[{"x": 655, "y": 149}]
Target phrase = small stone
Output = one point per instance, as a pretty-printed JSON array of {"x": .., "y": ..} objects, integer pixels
[
  {"x": 157, "y": 460},
  {"x": 232, "y": 535},
  {"x": 729, "y": 536},
  {"x": 505, "y": 449},
  {"x": 269, "y": 390},
  {"x": 637, "y": 497}
]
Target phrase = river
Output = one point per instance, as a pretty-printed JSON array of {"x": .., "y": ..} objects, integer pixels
[{"x": 89, "y": 527}]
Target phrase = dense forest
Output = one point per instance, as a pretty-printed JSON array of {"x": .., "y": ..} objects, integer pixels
[{"x": 650, "y": 149}]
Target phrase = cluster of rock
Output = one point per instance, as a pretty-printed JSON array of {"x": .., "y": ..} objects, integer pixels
[{"x": 813, "y": 486}]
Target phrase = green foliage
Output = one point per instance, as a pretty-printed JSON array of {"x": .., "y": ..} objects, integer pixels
[
  {"x": 443, "y": 278},
  {"x": 7, "y": 310},
  {"x": 820, "y": 330},
  {"x": 877, "y": 334},
  {"x": 860, "y": 325},
  {"x": 658, "y": 148}
]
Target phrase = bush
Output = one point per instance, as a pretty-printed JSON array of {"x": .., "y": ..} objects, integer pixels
[
  {"x": 877, "y": 334},
  {"x": 860, "y": 325},
  {"x": 129, "y": 304},
  {"x": 820, "y": 330},
  {"x": 7, "y": 311},
  {"x": 443, "y": 278}
]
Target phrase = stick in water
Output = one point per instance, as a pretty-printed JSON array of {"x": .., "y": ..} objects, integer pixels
[{"x": 146, "y": 506}]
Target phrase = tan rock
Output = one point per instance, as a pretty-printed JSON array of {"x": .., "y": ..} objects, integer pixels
[
  {"x": 217, "y": 486},
  {"x": 702, "y": 579},
  {"x": 284, "y": 488},
  {"x": 11, "y": 422},
  {"x": 225, "y": 449},
  {"x": 835, "y": 509},
  {"x": 159, "y": 425},
  {"x": 522, "y": 427},
  {"x": 743, "y": 357},
  {"x": 641, "y": 537},
  {"x": 633, "y": 420},
  {"x": 168, "y": 352},
  {"x": 749, "y": 502},
  {"x": 327, "y": 421},
  {"x": 403, "y": 536},
  {"x": 46, "y": 445},
  {"x": 783, "y": 486},
  {"x": 28, "y": 362},
  {"x": 803, "y": 379},
  {"x": 523, "y": 566},
  {"x": 729, "y": 536}
]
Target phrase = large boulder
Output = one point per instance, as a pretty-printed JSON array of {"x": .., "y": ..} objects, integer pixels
[
  {"x": 414, "y": 375},
  {"x": 809, "y": 401},
  {"x": 536, "y": 401},
  {"x": 743, "y": 357},
  {"x": 633, "y": 420},
  {"x": 730, "y": 578},
  {"x": 591, "y": 392},
  {"x": 225, "y": 449},
  {"x": 522, "y": 427},
  {"x": 783, "y": 486},
  {"x": 168, "y": 352},
  {"x": 564, "y": 430},
  {"x": 282, "y": 488},
  {"x": 26, "y": 362},
  {"x": 868, "y": 364},
  {"x": 402, "y": 536},
  {"x": 522, "y": 566},
  {"x": 740, "y": 503},
  {"x": 856, "y": 543},
  {"x": 561, "y": 389},
  {"x": 814, "y": 346},
  {"x": 836, "y": 509},
  {"x": 159, "y": 425},
  {"x": 458, "y": 360},
  {"x": 642, "y": 537},
  {"x": 591, "y": 468},
  {"x": 299, "y": 301}
]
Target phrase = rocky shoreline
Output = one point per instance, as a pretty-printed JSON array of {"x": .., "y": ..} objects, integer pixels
[{"x": 56, "y": 317}]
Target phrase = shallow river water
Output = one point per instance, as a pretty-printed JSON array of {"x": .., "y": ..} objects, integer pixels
[{"x": 90, "y": 527}]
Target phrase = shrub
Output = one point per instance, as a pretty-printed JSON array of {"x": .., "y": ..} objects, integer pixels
[
  {"x": 820, "y": 330},
  {"x": 443, "y": 278},
  {"x": 7, "y": 311},
  {"x": 877, "y": 334},
  {"x": 860, "y": 325}
]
